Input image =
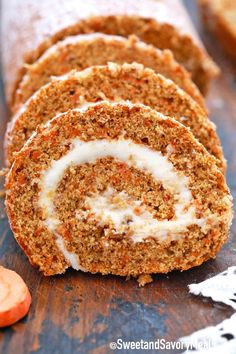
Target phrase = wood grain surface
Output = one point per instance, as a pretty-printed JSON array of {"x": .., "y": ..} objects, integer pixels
[{"x": 83, "y": 313}]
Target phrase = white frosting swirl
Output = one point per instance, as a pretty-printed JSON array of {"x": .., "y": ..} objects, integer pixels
[{"x": 140, "y": 224}]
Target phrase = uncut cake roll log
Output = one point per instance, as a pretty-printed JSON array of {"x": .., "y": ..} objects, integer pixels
[
  {"x": 98, "y": 189},
  {"x": 30, "y": 27},
  {"x": 112, "y": 82},
  {"x": 82, "y": 51}
]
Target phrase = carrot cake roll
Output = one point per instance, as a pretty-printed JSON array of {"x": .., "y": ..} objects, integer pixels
[
  {"x": 112, "y": 82},
  {"x": 31, "y": 27},
  {"x": 117, "y": 188},
  {"x": 219, "y": 16},
  {"x": 82, "y": 51}
]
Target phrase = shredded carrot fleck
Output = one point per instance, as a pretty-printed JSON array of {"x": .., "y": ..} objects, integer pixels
[
  {"x": 50, "y": 135},
  {"x": 36, "y": 154},
  {"x": 38, "y": 232},
  {"x": 166, "y": 197},
  {"x": 21, "y": 179},
  {"x": 147, "y": 122},
  {"x": 174, "y": 144},
  {"x": 137, "y": 210}
]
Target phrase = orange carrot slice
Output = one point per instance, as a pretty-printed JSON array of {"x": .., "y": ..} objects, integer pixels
[{"x": 15, "y": 298}]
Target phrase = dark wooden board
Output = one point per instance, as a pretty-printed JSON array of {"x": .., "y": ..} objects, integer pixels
[{"x": 83, "y": 313}]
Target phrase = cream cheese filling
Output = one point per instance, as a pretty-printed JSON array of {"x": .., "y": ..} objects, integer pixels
[{"x": 141, "y": 224}]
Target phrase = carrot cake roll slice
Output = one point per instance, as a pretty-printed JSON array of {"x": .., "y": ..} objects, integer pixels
[
  {"x": 112, "y": 82},
  {"x": 82, "y": 51},
  {"x": 117, "y": 188},
  {"x": 219, "y": 16}
]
